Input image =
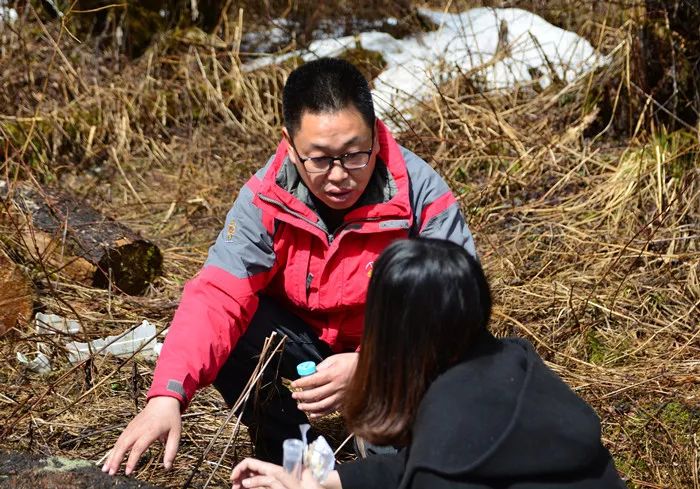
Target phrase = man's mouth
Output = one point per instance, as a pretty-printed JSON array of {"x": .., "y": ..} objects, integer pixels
[{"x": 339, "y": 195}]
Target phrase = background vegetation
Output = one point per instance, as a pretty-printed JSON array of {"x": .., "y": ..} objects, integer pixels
[{"x": 584, "y": 199}]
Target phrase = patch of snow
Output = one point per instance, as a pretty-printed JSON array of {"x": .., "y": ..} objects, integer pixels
[
  {"x": 7, "y": 14},
  {"x": 498, "y": 48},
  {"x": 265, "y": 41}
]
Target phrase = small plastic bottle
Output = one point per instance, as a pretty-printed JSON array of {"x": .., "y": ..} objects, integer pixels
[{"x": 305, "y": 369}]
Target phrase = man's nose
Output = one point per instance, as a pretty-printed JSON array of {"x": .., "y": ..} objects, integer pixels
[{"x": 337, "y": 173}]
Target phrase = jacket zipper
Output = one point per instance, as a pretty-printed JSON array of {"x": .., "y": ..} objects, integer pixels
[
  {"x": 290, "y": 211},
  {"x": 309, "y": 279},
  {"x": 330, "y": 237}
]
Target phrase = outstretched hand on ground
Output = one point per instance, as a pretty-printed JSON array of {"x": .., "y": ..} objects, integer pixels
[{"x": 159, "y": 420}]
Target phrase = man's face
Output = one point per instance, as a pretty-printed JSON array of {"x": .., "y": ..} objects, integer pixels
[{"x": 333, "y": 134}]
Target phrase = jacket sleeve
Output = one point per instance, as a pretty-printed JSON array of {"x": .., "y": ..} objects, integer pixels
[
  {"x": 217, "y": 304},
  {"x": 375, "y": 472},
  {"x": 436, "y": 211}
]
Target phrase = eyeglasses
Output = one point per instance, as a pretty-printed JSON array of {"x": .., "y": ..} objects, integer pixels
[{"x": 349, "y": 161}]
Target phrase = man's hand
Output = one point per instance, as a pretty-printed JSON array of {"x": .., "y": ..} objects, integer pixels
[
  {"x": 323, "y": 391},
  {"x": 252, "y": 473},
  {"x": 159, "y": 420}
]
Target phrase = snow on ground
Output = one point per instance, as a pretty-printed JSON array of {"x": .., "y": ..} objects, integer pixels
[
  {"x": 280, "y": 31},
  {"x": 498, "y": 48},
  {"x": 7, "y": 14}
]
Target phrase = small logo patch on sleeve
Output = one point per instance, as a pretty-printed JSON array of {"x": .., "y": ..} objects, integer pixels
[{"x": 230, "y": 230}]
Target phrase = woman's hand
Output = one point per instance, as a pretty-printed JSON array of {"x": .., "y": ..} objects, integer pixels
[{"x": 252, "y": 473}]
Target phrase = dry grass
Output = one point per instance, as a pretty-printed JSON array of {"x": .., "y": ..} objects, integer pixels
[{"x": 591, "y": 242}]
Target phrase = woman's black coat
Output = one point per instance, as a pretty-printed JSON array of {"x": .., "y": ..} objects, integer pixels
[{"x": 499, "y": 419}]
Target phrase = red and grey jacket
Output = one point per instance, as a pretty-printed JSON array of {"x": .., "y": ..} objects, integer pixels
[{"x": 273, "y": 242}]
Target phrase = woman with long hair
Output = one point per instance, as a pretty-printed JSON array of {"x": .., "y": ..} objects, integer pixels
[{"x": 472, "y": 411}]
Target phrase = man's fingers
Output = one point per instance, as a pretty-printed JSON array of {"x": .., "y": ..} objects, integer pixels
[
  {"x": 171, "y": 446},
  {"x": 161, "y": 416},
  {"x": 117, "y": 455},
  {"x": 311, "y": 381},
  {"x": 136, "y": 451},
  {"x": 106, "y": 465},
  {"x": 315, "y": 395},
  {"x": 320, "y": 408}
]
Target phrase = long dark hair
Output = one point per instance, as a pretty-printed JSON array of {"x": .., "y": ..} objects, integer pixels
[{"x": 427, "y": 302}]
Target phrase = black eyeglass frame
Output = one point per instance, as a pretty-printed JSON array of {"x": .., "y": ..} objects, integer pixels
[{"x": 333, "y": 159}]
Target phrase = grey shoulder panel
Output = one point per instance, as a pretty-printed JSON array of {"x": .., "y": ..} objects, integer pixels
[
  {"x": 244, "y": 247},
  {"x": 260, "y": 174},
  {"x": 450, "y": 225},
  {"x": 426, "y": 186}
]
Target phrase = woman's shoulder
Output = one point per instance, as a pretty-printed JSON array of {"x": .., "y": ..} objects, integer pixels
[
  {"x": 502, "y": 412},
  {"x": 468, "y": 408},
  {"x": 492, "y": 366}
]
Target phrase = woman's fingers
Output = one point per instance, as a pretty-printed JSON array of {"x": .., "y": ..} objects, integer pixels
[
  {"x": 263, "y": 482},
  {"x": 312, "y": 381},
  {"x": 252, "y": 466},
  {"x": 253, "y": 473}
]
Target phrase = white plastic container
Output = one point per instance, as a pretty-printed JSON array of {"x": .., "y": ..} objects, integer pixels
[
  {"x": 118, "y": 345},
  {"x": 52, "y": 324},
  {"x": 39, "y": 364}
]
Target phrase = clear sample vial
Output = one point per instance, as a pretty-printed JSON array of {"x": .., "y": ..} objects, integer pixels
[{"x": 292, "y": 456}]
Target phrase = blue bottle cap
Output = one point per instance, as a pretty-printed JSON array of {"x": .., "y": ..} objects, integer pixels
[{"x": 306, "y": 368}]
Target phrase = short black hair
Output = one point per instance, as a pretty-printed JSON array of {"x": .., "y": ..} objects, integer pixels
[{"x": 325, "y": 85}]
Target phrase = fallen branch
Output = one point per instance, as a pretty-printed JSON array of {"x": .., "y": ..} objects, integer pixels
[{"x": 75, "y": 239}]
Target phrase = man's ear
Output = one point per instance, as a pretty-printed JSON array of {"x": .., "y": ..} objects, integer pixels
[
  {"x": 288, "y": 139},
  {"x": 375, "y": 143}
]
